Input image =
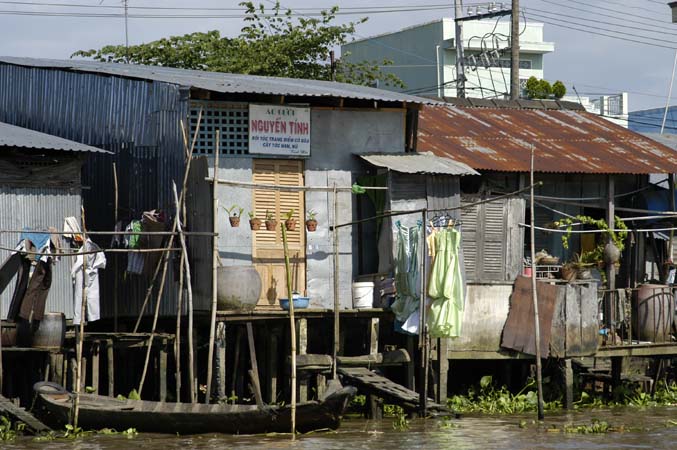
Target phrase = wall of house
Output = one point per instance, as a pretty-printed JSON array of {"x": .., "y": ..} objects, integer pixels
[
  {"x": 39, "y": 208},
  {"x": 135, "y": 119},
  {"x": 336, "y": 136}
]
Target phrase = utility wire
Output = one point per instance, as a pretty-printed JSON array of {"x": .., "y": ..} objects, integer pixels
[{"x": 616, "y": 10}]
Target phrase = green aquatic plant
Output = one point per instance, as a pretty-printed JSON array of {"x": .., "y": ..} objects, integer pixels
[
  {"x": 10, "y": 430},
  {"x": 492, "y": 400},
  {"x": 400, "y": 423},
  {"x": 72, "y": 432},
  {"x": 596, "y": 426}
]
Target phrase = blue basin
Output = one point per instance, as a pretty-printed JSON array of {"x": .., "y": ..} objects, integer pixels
[{"x": 299, "y": 303}]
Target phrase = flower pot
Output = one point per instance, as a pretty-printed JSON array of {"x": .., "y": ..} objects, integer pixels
[
  {"x": 290, "y": 224},
  {"x": 612, "y": 254},
  {"x": 569, "y": 273},
  {"x": 255, "y": 224},
  {"x": 311, "y": 225},
  {"x": 234, "y": 221},
  {"x": 271, "y": 224}
]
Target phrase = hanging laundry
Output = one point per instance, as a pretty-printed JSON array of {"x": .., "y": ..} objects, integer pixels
[
  {"x": 152, "y": 221},
  {"x": 407, "y": 272},
  {"x": 71, "y": 227},
  {"x": 95, "y": 261},
  {"x": 445, "y": 286},
  {"x": 135, "y": 261},
  {"x": 35, "y": 297}
]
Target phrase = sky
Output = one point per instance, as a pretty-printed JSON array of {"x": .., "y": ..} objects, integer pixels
[{"x": 601, "y": 46}]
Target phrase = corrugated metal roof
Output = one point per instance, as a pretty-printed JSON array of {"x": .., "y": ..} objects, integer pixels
[
  {"x": 669, "y": 140},
  {"x": 223, "y": 82},
  {"x": 419, "y": 163},
  {"x": 566, "y": 141},
  {"x": 12, "y": 136}
]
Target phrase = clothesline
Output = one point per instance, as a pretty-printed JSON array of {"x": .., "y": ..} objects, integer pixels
[
  {"x": 451, "y": 208},
  {"x": 637, "y": 230},
  {"x": 277, "y": 187},
  {"x": 112, "y": 233},
  {"x": 104, "y": 250}
]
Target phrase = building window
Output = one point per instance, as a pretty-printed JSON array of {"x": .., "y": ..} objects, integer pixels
[
  {"x": 232, "y": 119},
  {"x": 488, "y": 60}
]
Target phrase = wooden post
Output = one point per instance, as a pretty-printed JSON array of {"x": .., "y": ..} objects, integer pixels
[
  {"x": 189, "y": 286},
  {"x": 302, "y": 349},
  {"x": 95, "y": 366},
  {"x": 110, "y": 356},
  {"x": 337, "y": 304},
  {"x": 424, "y": 339},
  {"x": 221, "y": 359},
  {"x": 616, "y": 371},
  {"x": 373, "y": 335},
  {"x": 80, "y": 341},
  {"x": 163, "y": 371},
  {"x": 215, "y": 266},
  {"x": 115, "y": 257},
  {"x": 292, "y": 326},
  {"x": 443, "y": 364},
  {"x": 671, "y": 246},
  {"x": 568, "y": 376},
  {"x": 534, "y": 294},
  {"x": 610, "y": 268},
  {"x": 272, "y": 366},
  {"x": 254, "y": 373},
  {"x": 177, "y": 333}
]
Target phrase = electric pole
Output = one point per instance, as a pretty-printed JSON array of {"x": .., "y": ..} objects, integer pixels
[
  {"x": 515, "y": 51},
  {"x": 460, "y": 63}
]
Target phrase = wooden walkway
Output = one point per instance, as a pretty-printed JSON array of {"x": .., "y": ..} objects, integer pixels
[
  {"x": 372, "y": 383},
  {"x": 20, "y": 414}
]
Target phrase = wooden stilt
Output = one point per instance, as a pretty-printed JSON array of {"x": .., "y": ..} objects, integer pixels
[
  {"x": 254, "y": 372},
  {"x": 110, "y": 365},
  {"x": 568, "y": 377},
  {"x": 83, "y": 317},
  {"x": 292, "y": 326},
  {"x": 163, "y": 371},
  {"x": 302, "y": 349},
  {"x": 115, "y": 257},
  {"x": 221, "y": 359},
  {"x": 272, "y": 366},
  {"x": 215, "y": 266},
  {"x": 95, "y": 367},
  {"x": 443, "y": 364}
]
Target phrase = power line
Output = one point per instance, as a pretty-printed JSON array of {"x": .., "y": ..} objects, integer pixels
[
  {"x": 615, "y": 10},
  {"x": 624, "y": 19},
  {"x": 542, "y": 18}
]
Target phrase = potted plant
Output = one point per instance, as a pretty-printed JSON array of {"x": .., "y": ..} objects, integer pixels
[
  {"x": 254, "y": 222},
  {"x": 271, "y": 223},
  {"x": 234, "y": 214},
  {"x": 311, "y": 223},
  {"x": 289, "y": 221}
]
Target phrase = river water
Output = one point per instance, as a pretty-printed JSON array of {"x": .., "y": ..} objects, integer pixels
[{"x": 649, "y": 428}]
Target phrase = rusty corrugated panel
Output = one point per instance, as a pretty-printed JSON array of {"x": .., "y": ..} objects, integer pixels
[{"x": 566, "y": 141}]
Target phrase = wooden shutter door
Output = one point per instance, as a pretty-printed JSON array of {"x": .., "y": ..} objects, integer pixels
[
  {"x": 494, "y": 243},
  {"x": 267, "y": 251},
  {"x": 469, "y": 236}
]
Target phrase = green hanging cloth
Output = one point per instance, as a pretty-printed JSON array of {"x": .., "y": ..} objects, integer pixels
[{"x": 445, "y": 286}]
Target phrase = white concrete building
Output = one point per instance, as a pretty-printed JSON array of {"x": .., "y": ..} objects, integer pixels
[
  {"x": 424, "y": 56},
  {"x": 614, "y": 108}
]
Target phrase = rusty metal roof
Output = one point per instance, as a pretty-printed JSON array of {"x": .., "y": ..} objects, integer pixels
[
  {"x": 565, "y": 140},
  {"x": 421, "y": 162}
]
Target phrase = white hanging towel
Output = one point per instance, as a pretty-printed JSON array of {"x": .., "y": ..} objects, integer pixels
[{"x": 95, "y": 261}]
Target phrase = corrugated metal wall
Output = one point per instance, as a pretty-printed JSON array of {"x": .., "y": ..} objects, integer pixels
[
  {"x": 39, "y": 208},
  {"x": 137, "y": 120}
]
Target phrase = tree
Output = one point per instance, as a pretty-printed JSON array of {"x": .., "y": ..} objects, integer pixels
[
  {"x": 558, "y": 89},
  {"x": 272, "y": 43},
  {"x": 540, "y": 89}
]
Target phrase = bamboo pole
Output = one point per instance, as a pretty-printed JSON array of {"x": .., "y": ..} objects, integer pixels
[
  {"x": 80, "y": 340},
  {"x": 534, "y": 294},
  {"x": 177, "y": 336},
  {"x": 215, "y": 266},
  {"x": 292, "y": 324},
  {"x": 337, "y": 329},
  {"x": 115, "y": 258},
  {"x": 423, "y": 331}
]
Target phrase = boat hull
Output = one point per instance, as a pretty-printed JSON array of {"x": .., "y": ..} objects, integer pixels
[{"x": 98, "y": 412}]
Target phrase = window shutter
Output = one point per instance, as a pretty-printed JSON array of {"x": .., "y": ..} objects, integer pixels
[
  {"x": 469, "y": 217},
  {"x": 494, "y": 240}
]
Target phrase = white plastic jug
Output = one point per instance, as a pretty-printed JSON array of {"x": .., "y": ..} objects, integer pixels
[{"x": 363, "y": 294}]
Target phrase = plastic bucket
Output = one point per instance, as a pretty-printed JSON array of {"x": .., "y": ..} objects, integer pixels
[{"x": 363, "y": 294}]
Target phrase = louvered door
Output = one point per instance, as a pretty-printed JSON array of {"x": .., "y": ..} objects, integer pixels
[
  {"x": 485, "y": 240},
  {"x": 268, "y": 252}
]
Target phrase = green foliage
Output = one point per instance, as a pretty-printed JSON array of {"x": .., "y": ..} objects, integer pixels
[
  {"x": 540, "y": 89},
  {"x": 490, "y": 400},
  {"x": 234, "y": 211},
  {"x": 252, "y": 215},
  {"x": 75, "y": 432},
  {"x": 288, "y": 215},
  {"x": 311, "y": 214},
  {"x": 270, "y": 215},
  {"x": 130, "y": 432},
  {"x": 272, "y": 43},
  {"x": 597, "y": 254},
  {"x": 134, "y": 395},
  {"x": 596, "y": 426},
  {"x": 358, "y": 402},
  {"x": 558, "y": 89}
]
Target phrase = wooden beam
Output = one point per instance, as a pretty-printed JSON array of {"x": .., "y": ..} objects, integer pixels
[
  {"x": 254, "y": 373},
  {"x": 110, "y": 363},
  {"x": 443, "y": 364}
]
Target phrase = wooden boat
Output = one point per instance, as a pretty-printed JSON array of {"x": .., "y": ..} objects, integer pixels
[{"x": 98, "y": 412}]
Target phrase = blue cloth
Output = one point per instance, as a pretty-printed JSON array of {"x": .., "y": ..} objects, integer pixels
[{"x": 40, "y": 240}]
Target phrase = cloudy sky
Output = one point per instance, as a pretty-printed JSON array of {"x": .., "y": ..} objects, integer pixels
[{"x": 602, "y": 46}]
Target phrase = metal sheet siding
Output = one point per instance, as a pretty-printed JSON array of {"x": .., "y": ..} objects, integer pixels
[
  {"x": 39, "y": 208},
  {"x": 138, "y": 120},
  {"x": 565, "y": 141}
]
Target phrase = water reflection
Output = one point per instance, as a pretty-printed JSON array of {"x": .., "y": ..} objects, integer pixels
[{"x": 643, "y": 428}]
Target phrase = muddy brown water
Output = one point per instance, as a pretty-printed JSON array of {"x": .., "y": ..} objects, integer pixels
[{"x": 643, "y": 429}]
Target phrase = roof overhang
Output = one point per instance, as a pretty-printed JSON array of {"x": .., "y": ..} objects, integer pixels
[{"x": 418, "y": 163}]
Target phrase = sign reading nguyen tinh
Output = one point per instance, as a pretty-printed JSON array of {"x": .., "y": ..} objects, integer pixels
[{"x": 279, "y": 130}]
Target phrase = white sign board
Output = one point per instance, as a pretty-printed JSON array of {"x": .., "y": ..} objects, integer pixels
[{"x": 279, "y": 130}]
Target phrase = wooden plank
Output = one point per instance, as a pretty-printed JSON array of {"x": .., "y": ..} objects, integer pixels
[
  {"x": 302, "y": 325},
  {"x": 393, "y": 358},
  {"x": 254, "y": 373},
  {"x": 20, "y": 414},
  {"x": 443, "y": 364},
  {"x": 373, "y": 335}
]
